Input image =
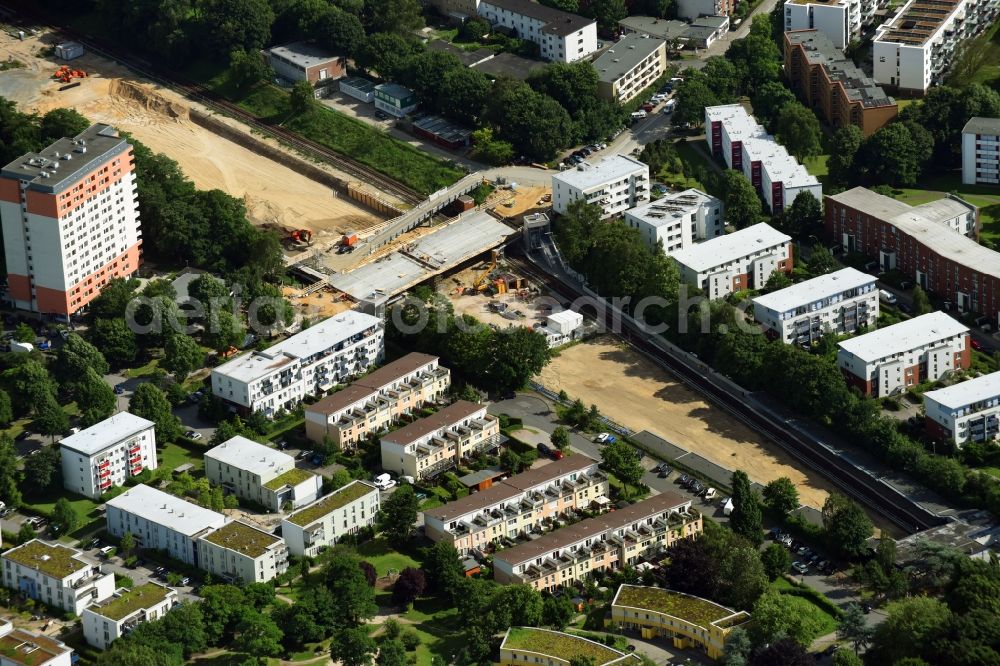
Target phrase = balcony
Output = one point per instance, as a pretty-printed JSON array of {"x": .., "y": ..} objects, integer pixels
[
  {"x": 135, "y": 460},
  {"x": 103, "y": 464},
  {"x": 105, "y": 474}
]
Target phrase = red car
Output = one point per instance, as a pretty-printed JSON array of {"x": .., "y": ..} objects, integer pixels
[
  {"x": 647, "y": 107},
  {"x": 557, "y": 454},
  {"x": 977, "y": 345}
]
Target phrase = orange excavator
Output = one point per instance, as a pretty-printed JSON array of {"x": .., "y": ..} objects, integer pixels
[
  {"x": 65, "y": 74},
  {"x": 300, "y": 236}
]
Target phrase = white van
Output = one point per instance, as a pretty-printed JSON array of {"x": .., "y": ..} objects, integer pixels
[
  {"x": 384, "y": 482},
  {"x": 887, "y": 297},
  {"x": 638, "y": 115},
  {"x": 670, "y": 106}
]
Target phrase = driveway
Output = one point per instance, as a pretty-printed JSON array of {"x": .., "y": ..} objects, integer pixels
[{"x": 187, "y": 413}]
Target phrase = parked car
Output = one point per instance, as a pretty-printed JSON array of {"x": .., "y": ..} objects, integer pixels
[
  {"x": 302, "y": 455},
  {"x": 887, "y": 297},
  {"x": 647, "y": 107},
  {"x": 185, "y": 581},
  {"x": 611, "y": 439},
  {"x": 94, "y": 543},
  {"x": 193, "y": 434},
  {"x": 710, "y": 494},
  {"x": 556, "y": 454},
  {"x": 106, "y": 551},
  {"x": 384, "y": 482},
  {"x": 774, "y": 533},
  {"x": 602, "y": 438},
  {"x": 683, "y": 479},
  {"x": 977, "y": 345},
  {"x": 800, "y": 567},
  {"x": 119, "y": 389},
  {"x": 786, "y": 540},
  {"x": 543, "y": 449}
]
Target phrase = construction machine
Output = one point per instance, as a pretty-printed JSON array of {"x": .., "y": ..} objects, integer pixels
[
  {"x": 302, "y": 236},
  {"x": 481, "y": 283}
]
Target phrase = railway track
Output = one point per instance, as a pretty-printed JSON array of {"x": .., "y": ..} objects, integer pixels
[{"x": 856, "y": 483}]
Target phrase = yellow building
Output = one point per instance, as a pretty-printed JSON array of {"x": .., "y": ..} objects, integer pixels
[
  {"x": 529, "y": 645},
  {"x": 689, "y": 620}
]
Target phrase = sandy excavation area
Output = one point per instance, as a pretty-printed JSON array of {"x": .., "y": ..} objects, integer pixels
[
  {"x": 632, "y": 391},
  {"x": 159, "y": 118}
]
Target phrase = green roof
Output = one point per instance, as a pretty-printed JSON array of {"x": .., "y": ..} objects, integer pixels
[
  {"x": 558, "y": 645},
  {"x": 292, "y": 477},
  {"x": 243, "y": 539},
  {"x": 11, "y": 648},
  {"x": 685, "y": 607},
  {"x": 331, "y": 502},
  {"x": 51, "y": 559},
  {"x": 132, "y": 600}
]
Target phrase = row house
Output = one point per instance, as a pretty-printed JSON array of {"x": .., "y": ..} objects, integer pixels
[{"x": 560, "y": 36}]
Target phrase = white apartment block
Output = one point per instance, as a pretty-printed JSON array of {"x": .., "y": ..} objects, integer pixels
[
  {"x": 524, "y": 503},
  {"x": 606, "y": 543},
  {"x": 56, "y": 575},
  {"x": 161, "y": 521},
  {"x": 20, "y": 647},
  {"x": 560, "y": 36},
  {"x": 840, "y": 302},
  {"x": 438, "y": 442},
  {"x": 377, "y": 400},
  {"x": 981, "y": 151},
  {"x": 261, "y": 474},
  {"x": 839, "y": 20},
  {"x": 615, "y": 183},
  {"x": 308, "y": 363},
  {"x": 329, "y": 519},
  {"x": 965, "y": 412},
  {"x": 736, "y": 137},
  {"x": 678, "y": 220},
  {"x": 105, "y": 623},
  {"x": 630, "y": 66},
  {"x": 240, "y": 553},
  {"x": 892, "y": 359},
  {"x": 914, "y": 50},
  {"x": 744, "y": 259},
  {"x": 70, "y": 221},
  {"x": 107, "y": 454}
]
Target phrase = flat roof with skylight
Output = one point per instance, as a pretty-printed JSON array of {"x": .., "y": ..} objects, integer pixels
[
  {"x": 167, "y": 510},
  {"x": 606, "y": 170},
  {"x": 670, "y": 207},
  {"x": 250, "y": 456},
  {"x": 107, "y": 433},
  {"x": 969, "y": 392},
  {"x": 129, "y": 601},
  {"x": 54, "y": 560},
  {"x": 816, "y": 289},
  {"x": 902, "y": 337},
  {"x": 731, "y": 247}
]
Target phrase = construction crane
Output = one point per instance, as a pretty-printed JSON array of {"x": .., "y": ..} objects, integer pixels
[{"x": 480, "y": 283}]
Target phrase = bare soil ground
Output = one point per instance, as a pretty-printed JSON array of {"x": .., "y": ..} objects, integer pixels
[
  {"x": 477, "y": 305},
  {"x": 632, "y": 391},
  {"x": 522, "y": 200},
  {"x": 159, "y": 118},
  {"x": 320, "y": 304}
]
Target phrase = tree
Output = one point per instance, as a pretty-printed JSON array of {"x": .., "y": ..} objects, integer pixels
[
  {"x": 339, "y": 31},
  {"x": 743, "y": 576},
  {"x": 776, "y": 615},
  {"x": 466, "y": 93},
  {"x": 910, "y": 625},
  {"x": 535, "y": 124},
  {"x": 743, "y": 204},
  {"x": 620, "y": 459},
  {"x": 804, "y": 217},
  {"x": 782, "y": 652},
  {"x": 410, "y": 585},
  {"x": 776, "y": 560},
  {"x": 94, "y": 396},
  {"x": 798, "y": 131},
  {"x": 921, "y": 303},
  {"x": 607, "y": 13},
  {"x": 238, "y": 24},
  {"x": 257, "y": 634},
  {"x": 781, "y": 496},
  {"x": 25, "y": 533},
  {"x": 847, "y": 658},
  {"x": 127, "y": 543},
  {"x": 844, "y": 146},
  {"x": 557, "y": 612},
  {"x": 62, "y": 122},
  {"x": 6, "y": 409},
  {"x": 182, "y": 355},
  {"x": 399, "y": 16},
  {"x": 745, "y": 519},
  {"x": 246, "y": 69},
  {"x": 399, "y": 514},
  {"x": 846, "y": 524},
  {"x": 43, "y": 471},
  {"x": 51, "y": 419},
  {"x": 302, "y": 97},
  {"x": 853, "y": 627},
  {"x": 516, "y": 355},
  {"x": 559, "y": 437},
  {"x": 737, "y": 648},
  {"x": 115, "y": 340},
  {"x": 691, "y": 100},
  {"x": 64, "y": 516},
  {"x": 347, "y": 583},
  {"x": 487, "y": 149},
  {"x": 224, "y": 330},
  {"x": 29, "y": 386},
  {"x": 895, "y": 154},
  {"x": 386, "y": 53},
  {"x": 443, "y": 568},
  {"x": 474, "y": 29},
  {"x": 770, "y": 99},
  {"x": 150, "y": 403},
  {"x": 24, "y": 333},
  {"x": 821, "y": 260},
  {"x": 352, "y": 647},
  {"x": 391, "y": 653}
]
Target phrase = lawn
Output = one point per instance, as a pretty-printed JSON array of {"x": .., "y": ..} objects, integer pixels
[
  {"x": 938, "y": 187},
  {"x": 980, "y": 62},
  {"x": 818, "y": 619},
  {"x": 85, "y": 508},
  {"x": 817, "y": 166},
  {"x": 173, "y": 456},
  {"x": 147, "y": 370},
  {"x": 384, "y": 558},
  {"x": 693, "y": 160}
]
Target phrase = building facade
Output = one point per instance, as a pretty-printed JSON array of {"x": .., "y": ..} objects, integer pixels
[
  {"x": 377, "y": 400},
  {"x": 107, "y": 454},
  {"x": 240, "y": 553},
  {"x": 440, "y": 441},
  {"x": 305, "y": 61},
  {"x": 981, "y": 151},
  {"x": 161, "y": 521},
  {"x": 965, "y": 412},
  {"x": 892, "y": 359},
  {"x": 930, "y": 244},
  {"x": 692, "y": 622},
  {"x": 606, "y": 543},
  {"x": 527, "y": 502},
  {"x": 308, "y": 363},
  {"x": 840, "y": 302},
  {"x": 915, "y": 49},
  {"x": 261, "y": 474},
  {"x": 56, "y": 575},
  {"x": 105, "y": 623},
  {"x": 615, "y": 183},
  {"x": 744, "y": 259},
  {"x": 326, "y": 521},
  {"x": 831, "y": 84},
  {"x": 678, "y": 220},
  {"x": 733, "y": 135},
  {"x": 839, "y": 20},
  {"x": 560, "y": 36},
  {"x": 630, "y": 66},
  {"x": 20, "y": 647},
  {"x": 394, "y": 99},
  {"x": 70, "y": 221}
]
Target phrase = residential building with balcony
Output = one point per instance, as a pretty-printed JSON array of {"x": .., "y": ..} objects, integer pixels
[
  {"x": 326, "y": 521},
  {"x": 735, "y": 136},
  {"x": 425, "y": 448},
  {"x": 615, "y": 183},
  {"x": 306, "y": 364},
  {"x": 832, "y": 85},
  {"x": 744, "y": 259},
  {"x": 527, "y": 502},
  {"x": 839, "y": 20},
  {"x": 56, "y": 575},
  {"x": 630, "y": 66},
  {"x": 839, "y": 302},
  {"x": 372, "y": 403},
  {"x": 606, "y": 543},
  {"x": 107, "y": 454},
  {"x": 981, "y": 151},
  {"x": 240, "y": 553},
  {"x": 965, "y": 412},
  {"x": 20, "y": 647},
  {"x": 892, "y": 359},
  {"x": 692, "y": 622},
  {"x": 531, "y": 645},
  {"x": 261, "y": 474},
  {"x": 161, "y": 521},
  {"x": 560, "y": 36},
  {"x": 106, "y": 622},
  {"x": 914, "y": 50},
  {"x": 678, "y": 220}
]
